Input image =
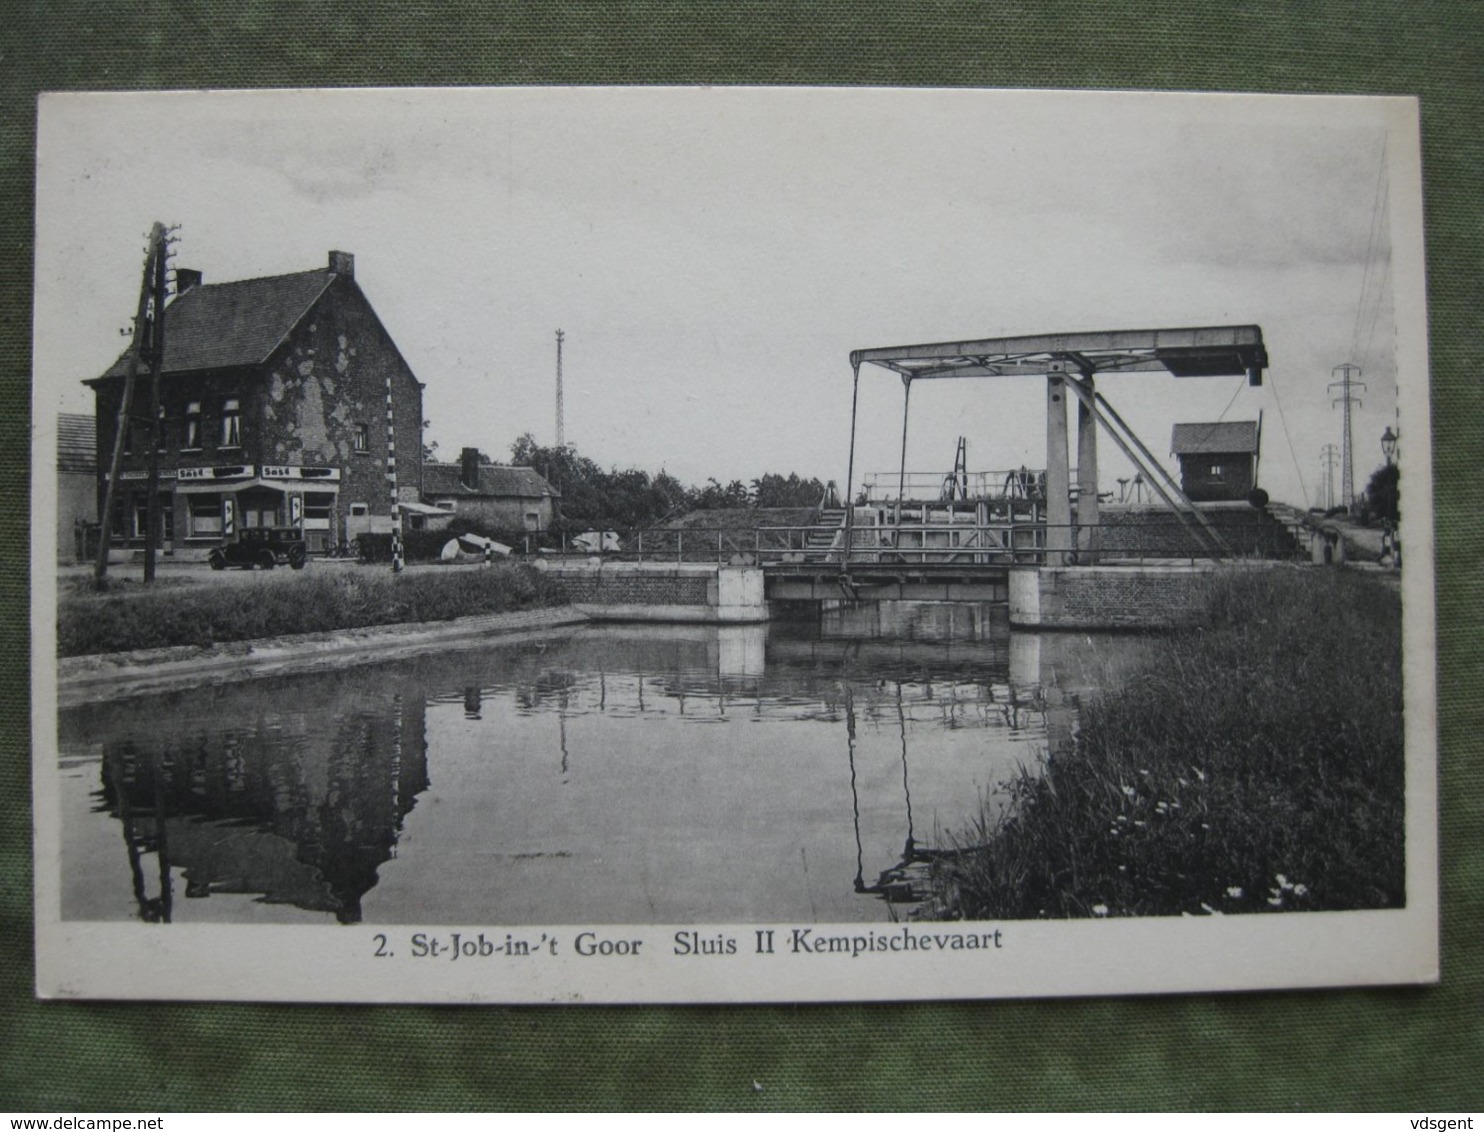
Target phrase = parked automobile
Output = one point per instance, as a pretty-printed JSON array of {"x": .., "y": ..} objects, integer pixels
[{"x": 265, "y": 547}]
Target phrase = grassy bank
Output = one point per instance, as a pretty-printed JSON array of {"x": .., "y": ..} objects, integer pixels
[
  {"x": 1253, "y": 765},
  {"x": 316, "y": 601}
]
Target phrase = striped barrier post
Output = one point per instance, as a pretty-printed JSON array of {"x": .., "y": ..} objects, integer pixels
[{"x": 391, "y": 479}]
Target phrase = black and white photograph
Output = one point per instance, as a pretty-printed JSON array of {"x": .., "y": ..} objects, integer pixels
[{"x": 727, "y": 544}]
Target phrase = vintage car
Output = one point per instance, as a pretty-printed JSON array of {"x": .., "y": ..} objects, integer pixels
[{"x": 261, "y": 546}]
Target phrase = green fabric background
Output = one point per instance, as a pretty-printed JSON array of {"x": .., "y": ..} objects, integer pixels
[{"x": 1405, "y": 1049}]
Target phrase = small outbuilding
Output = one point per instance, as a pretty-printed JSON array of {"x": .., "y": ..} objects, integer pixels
[
  {"x": 1218, "y": 461},
  {"x": 496, "y": 496},
  {"x": 77, "y": 484}
]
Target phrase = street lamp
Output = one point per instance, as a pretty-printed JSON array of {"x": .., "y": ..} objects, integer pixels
[{"x": 1388, "y": 444}]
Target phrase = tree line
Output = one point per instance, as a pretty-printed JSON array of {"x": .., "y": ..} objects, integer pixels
[{"x": 627, "y": 499}]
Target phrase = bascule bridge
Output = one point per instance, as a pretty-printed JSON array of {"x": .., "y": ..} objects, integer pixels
[{"x": 1041, "y": 539}]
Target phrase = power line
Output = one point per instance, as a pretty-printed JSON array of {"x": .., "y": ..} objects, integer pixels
[
  {"x": 1380, "y": 193},
  {"x": 1287, "y": 436}
]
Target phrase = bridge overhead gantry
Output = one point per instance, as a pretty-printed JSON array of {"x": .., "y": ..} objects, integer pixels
[{"x": 1069, "y": 364}]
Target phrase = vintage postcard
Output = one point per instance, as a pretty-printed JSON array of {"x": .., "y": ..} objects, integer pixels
[{"x": 730, "y": 545}]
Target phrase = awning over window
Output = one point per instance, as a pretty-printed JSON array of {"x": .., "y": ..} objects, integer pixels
[{"x": 217, "y": 487}]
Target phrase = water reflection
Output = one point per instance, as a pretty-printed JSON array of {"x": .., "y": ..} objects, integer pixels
[
  {"x": 298, "y": 803},
  {"x": 794, "y": 771}
]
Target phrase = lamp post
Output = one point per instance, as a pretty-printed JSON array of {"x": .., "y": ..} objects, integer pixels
[
  {"x": 1390, "y": 544},
  {"x": 1388, "y": 444}
]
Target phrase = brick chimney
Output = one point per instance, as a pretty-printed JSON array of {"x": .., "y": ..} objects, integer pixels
[
  {"x": 469, "y": 468},
  {"x": 343, "y": 263},
  {"x": 185, "y": 279}
]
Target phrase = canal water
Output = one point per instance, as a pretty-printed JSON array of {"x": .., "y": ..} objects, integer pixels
[{"x": 798, "y": 771}]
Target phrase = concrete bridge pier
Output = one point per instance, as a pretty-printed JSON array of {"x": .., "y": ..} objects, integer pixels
[{"x": 661, "y": 591}]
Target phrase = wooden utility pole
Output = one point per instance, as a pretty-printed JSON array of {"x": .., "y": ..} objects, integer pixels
[
  {"x": 156, "y": 361},
  {"x": 126, "y": 405}
]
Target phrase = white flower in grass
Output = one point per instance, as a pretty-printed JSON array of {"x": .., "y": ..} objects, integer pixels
[
  {"x": 1283, "y": 881},
  {"x": 1128, "y": 790},
  {"x": 1099, "y": 909},
  {"x": 1276, "y": 901},
  {"x": 1199, "y": 773},
  {"x": 1301, "y": 890},
  {"x": 1235, "y": 892},
  {"x": 1210, "y": 911}
]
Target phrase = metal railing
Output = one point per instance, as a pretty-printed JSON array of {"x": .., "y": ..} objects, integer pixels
[
  {"x": 1000, "y": 543},
  {"x": 1013, "y": 483}
]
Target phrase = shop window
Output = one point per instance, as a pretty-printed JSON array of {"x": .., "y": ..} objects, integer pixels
[
  {"x": 192, "y": 426},
  {"x": 231, "y": 423},
  {"x": 204, "y": 516}
]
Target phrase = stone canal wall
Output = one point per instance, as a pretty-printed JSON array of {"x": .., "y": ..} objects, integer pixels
[
  {"x": 1107, "y": 597},
  {"x": 660, "y": 591}
]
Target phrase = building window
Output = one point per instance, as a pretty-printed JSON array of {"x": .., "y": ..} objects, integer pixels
[
  {"x": 231, "y": 423},
  {"x": 533, "y": 520},
  {"x": 362, "y": 438},
  {"x": 204, "y": 516},
  {"x": 164, "y": 432},
  {"x": 360, "y": 509},
  {"x": 167, "y": 517},
  {"x": 192, "y": 426},
  {"x": 1216, "y": 472},
  {"x": 319, "y": 508}
]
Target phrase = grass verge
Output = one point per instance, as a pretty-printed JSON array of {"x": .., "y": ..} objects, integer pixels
[
  {"x": 345, "y": 598},
  {"x": 1255, "y": 764}
]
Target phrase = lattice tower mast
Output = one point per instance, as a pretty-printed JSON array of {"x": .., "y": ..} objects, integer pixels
[
  {"x": 1347, "y": 385},
  {"x": 561, "y": 437},
  {"x": 1329, "y": 456}
]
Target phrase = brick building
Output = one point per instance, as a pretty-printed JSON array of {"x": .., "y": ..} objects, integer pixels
[
  {"x": 1217, "y": 461},
  {"x": 496, "y": 496},
  {"x": 274, "y": 413}
]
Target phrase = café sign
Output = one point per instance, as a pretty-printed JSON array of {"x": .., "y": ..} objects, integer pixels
[
  {"x": 296, "y": 472},
  {"x": 221, "y": 472}
]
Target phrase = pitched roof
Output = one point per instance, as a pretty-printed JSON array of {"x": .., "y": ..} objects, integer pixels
[
  {"x": 494, "y": 480},
  {"x": 77, "y": 443},
  {"x": 1220, "y": 436},
  {"x": 217, "y": 325}
]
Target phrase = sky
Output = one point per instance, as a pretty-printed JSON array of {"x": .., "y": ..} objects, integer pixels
[{"x": 714, "y": 254}]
